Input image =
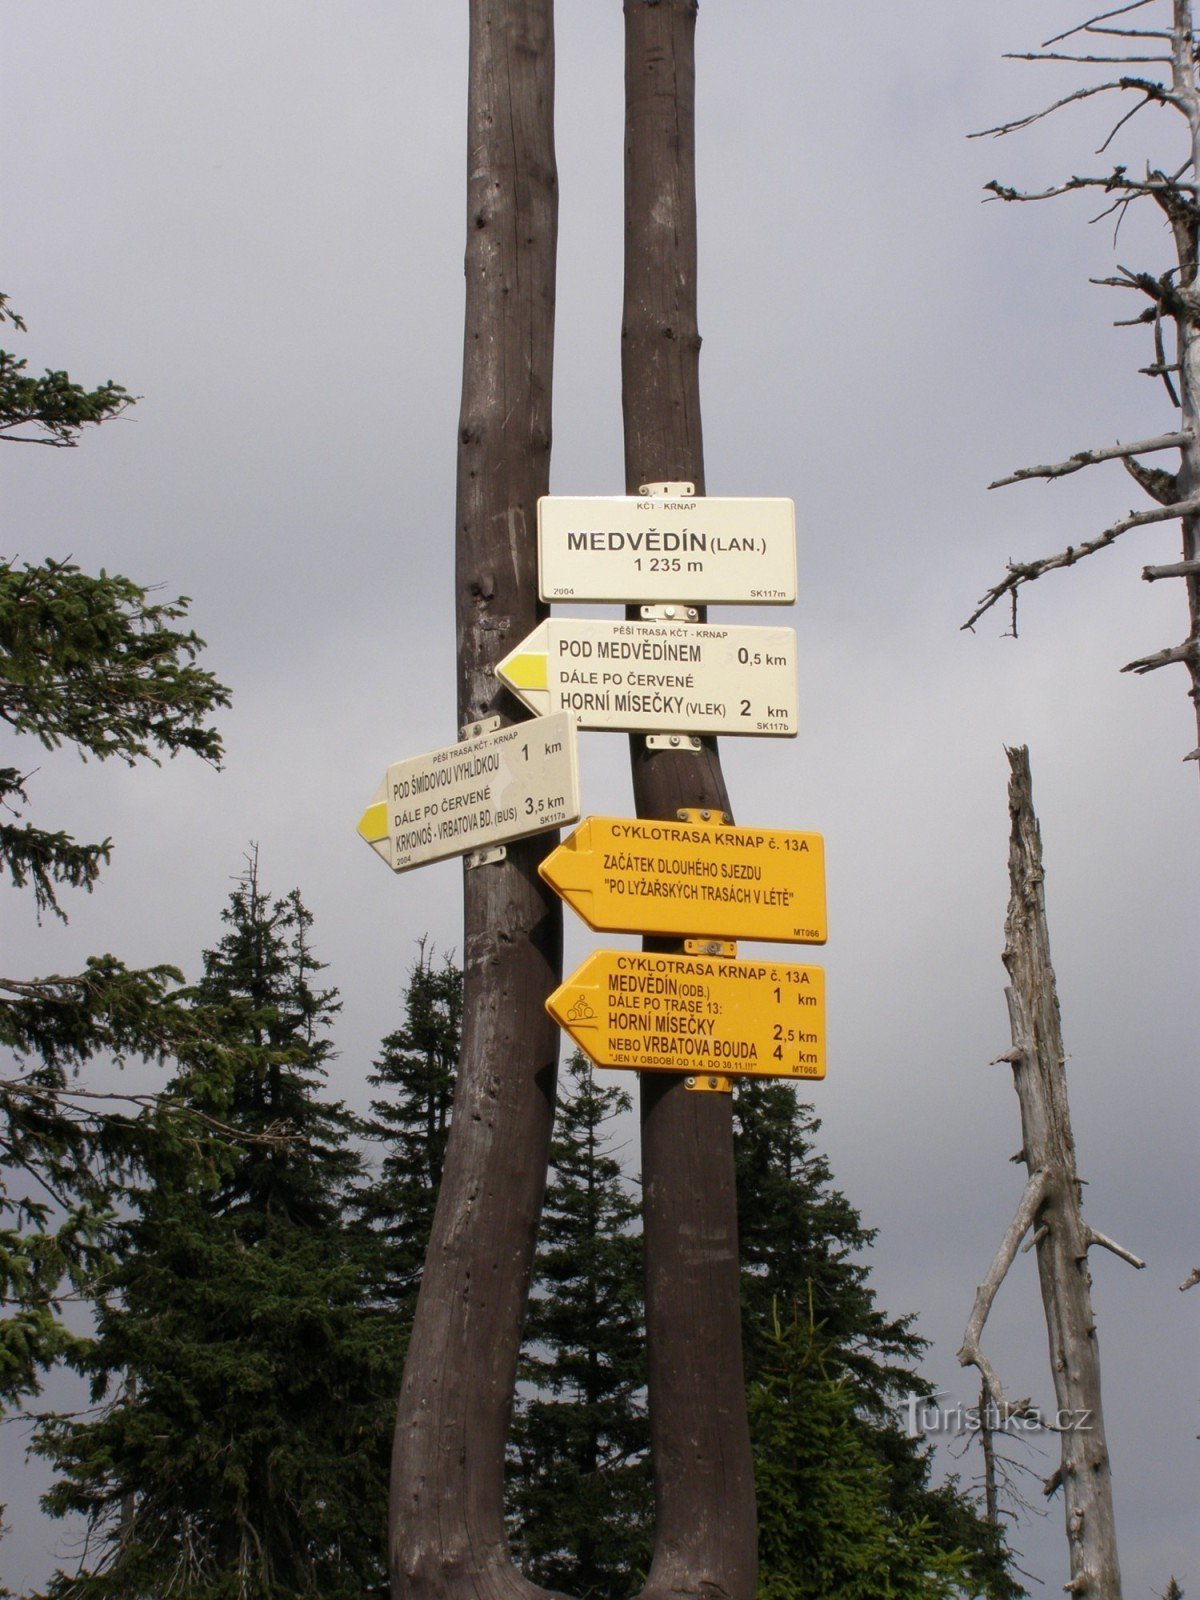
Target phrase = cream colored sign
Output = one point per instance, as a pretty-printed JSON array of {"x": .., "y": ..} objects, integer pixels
[
  {"x": 486, "y": 791},
  {"x": 659, "y": 677},
  {"x": 632, "y": 548}
]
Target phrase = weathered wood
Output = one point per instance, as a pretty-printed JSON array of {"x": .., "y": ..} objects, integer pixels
[
  {"x": 1052, "y": 1206},
  {"x": 706, "y": 1538},
  {"x": 447, "y": 1532},
  {"x": 1187, "y": 322},
  {"x": 1174, "y": 298}
]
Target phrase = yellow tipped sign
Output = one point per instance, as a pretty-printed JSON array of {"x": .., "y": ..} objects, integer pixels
[
  {"x": 499, "y": 786},
  {"x": 690, "y": 879},
  {"x": 659, "y": 677},
  {"x": 695, "y": 1014}
]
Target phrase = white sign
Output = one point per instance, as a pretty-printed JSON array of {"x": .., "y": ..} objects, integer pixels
[
  {"x": 631, "y": 548},
  {"x": 484, "y": 791},
  {"x": 658, "y": 677}
]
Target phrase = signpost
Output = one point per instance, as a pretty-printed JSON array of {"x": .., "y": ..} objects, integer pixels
[
  {"x": 659, "y": 677},
  {"x": 485, "y": 791},
  {"x": 695, "y": 1014},
  {"x": 633, "y": 548},
  {"x": 690, "y": 879}
]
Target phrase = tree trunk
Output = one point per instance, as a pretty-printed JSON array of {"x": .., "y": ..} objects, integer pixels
[
  {"x": 706, "y": 1537},
  {"x": 447, "y": 1527},
  {"x": 1052, "y": 1207},
  {"x": 1185, "y": 230}
]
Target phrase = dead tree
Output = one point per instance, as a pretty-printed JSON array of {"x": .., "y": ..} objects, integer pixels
[
  {"x": 447, "y": 1533},
  {"x": 705, "y": 1536},
  {"x": 1157, "y": 66},
  {"x": 1051, "y": 1207}
]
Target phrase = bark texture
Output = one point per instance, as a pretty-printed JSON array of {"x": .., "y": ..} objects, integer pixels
[
  {"x": 446, "y": 1529},
  {"x": 706, "y": 1536},
  {"x": 1051, "y": 1206}
]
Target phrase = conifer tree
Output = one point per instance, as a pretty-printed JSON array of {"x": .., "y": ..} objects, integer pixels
[
  {"x": 92, "y": 664},
  {"x": 580, "y": 1487},
  {"x": 801, "y": 1241},
  {"x": 829, "y": 1528},
  {"x": 244, "y": 1385},
  {"x": 817, "y": 1347},
  {"x": 410, "y": 1116}
]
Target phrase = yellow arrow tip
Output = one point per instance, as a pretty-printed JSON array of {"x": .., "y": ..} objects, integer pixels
[
  {"x": 526, "y": 669},
  {"x": 372, "y": 825}
]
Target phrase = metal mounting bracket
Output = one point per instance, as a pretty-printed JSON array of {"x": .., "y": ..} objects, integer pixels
[
  {"x": 725, "y": 948},
  {"x": 485, "y": 858},
  {"x": 717, "y": 819},
  {"x": 673, "y": 741},
  {"x": 710, "y": 1083},
  {"x": 472, "y": 730},
  {"x": 669, "y": 490},
  {"x": 674, "y": 612}
]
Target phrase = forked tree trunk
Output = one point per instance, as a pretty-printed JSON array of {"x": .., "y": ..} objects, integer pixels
[
  {"x": 1051, "y": 1206},
  {"x": 446, "y": 1529},
  {"x": 706, "y": 1539}
]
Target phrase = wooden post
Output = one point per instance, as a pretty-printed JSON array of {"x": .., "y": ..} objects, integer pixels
[
  {"x": 706, "y": 1536},
  {"x": 447, "y": 1528}
]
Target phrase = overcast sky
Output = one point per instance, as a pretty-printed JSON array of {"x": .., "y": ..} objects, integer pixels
[{"x": 252, "y": 215}]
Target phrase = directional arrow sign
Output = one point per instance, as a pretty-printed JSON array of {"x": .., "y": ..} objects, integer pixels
[
  {"x": 695, "y": 1014},
  {"x": 627, "y": 548},
  {"x": 503, "y": 785},
  {"x": 658, "y": 677},
  {"x": 630, "y": 876}
]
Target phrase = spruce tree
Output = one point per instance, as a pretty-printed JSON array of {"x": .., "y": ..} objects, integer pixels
[
  {"x": 580, "y": 1497},
  {"x": 410, "y": 1117},
  {"x": 801, "y": 1241},
  {"x": 828, "y": 1525},
  {"x": 244, "y": 1385},
  {"x": 91, "y": 664},
  {"x": 815, "y": 1340}
]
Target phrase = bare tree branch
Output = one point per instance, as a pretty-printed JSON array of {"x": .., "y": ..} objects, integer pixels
[
  {"x": 1102, "y": 61},
  {"x": 1106, "y": 1243},
  {"x": 1188, "y": 651},
  {"x": 1087, "y": 458},
  {"x": 1101, "y": 16},
  {"x": 1027, "y": 571},
  {"x": 1152, "y": 91},
  {"x": 1190, "y": 1282},
  {"x": 1177, "y": 569},
  {"x": 971, "y": 1354},
  {"x": 1130, "y": 33}
]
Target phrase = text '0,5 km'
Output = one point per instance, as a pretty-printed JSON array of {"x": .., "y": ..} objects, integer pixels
[
  {"x": 629, "y": 548},
  {"x": 659, "y": 677}
]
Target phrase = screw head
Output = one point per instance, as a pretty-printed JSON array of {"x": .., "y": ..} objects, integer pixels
[
  {"x": 712, "y": 1083},
  {"x": 691, "y": 1082}
]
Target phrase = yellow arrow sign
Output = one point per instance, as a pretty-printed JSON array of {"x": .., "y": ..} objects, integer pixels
[
  {"x": 683, "y": 878},
  {"x": 695, "y": 1014}
]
